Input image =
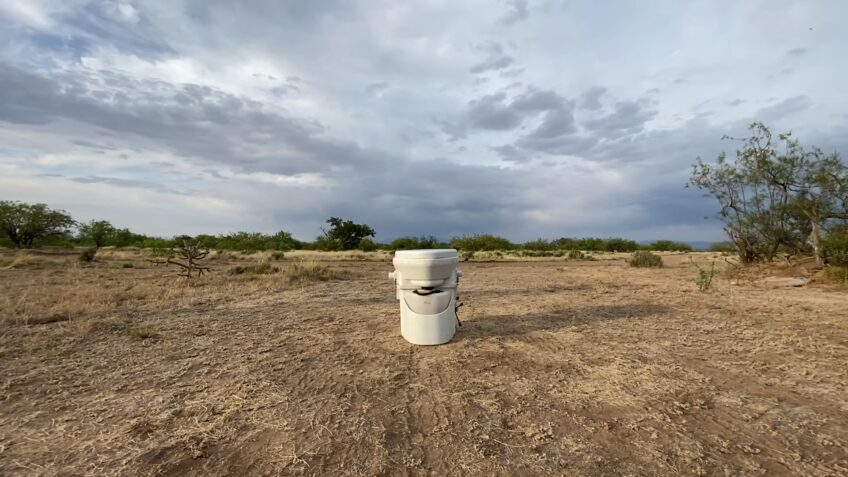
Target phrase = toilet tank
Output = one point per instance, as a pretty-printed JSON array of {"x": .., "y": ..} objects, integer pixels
[{"x": 425, "y": 268}]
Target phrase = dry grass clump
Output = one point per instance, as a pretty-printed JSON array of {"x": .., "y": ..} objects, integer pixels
[
  {"x": 263, "y": 268},
  {"x": 26, "y": 260},
  {"x": 141, "y": 332},
  {"x": 300, "y": 272}
]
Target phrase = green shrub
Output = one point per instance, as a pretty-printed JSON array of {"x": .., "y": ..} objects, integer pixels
[
  {"x": 481, "y": 242},
  {"x": 538, "y": 244},
  {"x": 87, "y": 254},
  {"x": 127, "y": 265},
  {"x": 367, "y": 245},
  {"x": 669, "y": 246},
  {"x": 620, "y": 245},
  {"x": 835, "y": 246},
  {"x": 705, "y": 276},
  {"x": 412, "y": 243},
  {"x": 723, "y": 247},
  {"x": 277, "y": 255},
  {"x": 836, "y": 273},
  {"x": 645, "y": 259},
  {"x": 162, "y": 252}
]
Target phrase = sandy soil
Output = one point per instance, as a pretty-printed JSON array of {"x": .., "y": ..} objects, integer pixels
[{"x": 561, "y": 368}]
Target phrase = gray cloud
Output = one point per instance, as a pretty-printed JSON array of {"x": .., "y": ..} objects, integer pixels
[
  {"x": 134, "y": 183},
  {"x": 797, "y": 52},
  {"x": 495, "y": 112},
  {"x": 496, "y": 59},
  {"x": 489, "y": 112},
  {"x": 628, "y": 117},
  {"x": 784, "y": 108},
  {"x": 376, "y": 88},
  {"x": 196, "y": 121},
  {"x": 557, "y": 122},
  {"x": 518, "y": 11},
  {"x": 591, "y": 98}
]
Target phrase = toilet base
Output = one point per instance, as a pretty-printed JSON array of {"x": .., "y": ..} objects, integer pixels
[{"x": 428, "y": 329}]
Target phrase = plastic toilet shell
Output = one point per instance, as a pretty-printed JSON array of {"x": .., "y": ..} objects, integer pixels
[
  {"x": 424, "y": 268},
  {"x": 426, "y": 283}
]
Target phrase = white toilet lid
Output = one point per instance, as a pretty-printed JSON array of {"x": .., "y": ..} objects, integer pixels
[{"x": 426, "y": 254}]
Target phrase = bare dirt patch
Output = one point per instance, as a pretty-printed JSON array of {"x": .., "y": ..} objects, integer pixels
[{"x": 580, "y": 368}]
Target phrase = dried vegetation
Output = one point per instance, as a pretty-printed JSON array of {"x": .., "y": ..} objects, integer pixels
[{"x": 563, "y": 367}]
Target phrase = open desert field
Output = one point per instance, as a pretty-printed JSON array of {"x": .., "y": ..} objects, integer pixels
[{"x": 561, "y": 367}]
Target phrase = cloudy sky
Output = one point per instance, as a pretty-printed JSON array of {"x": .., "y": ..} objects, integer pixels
[{"x": 524, "y": 118}]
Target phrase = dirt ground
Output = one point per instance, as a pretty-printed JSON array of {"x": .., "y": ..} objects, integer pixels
[{"x": 560, "y": 368}]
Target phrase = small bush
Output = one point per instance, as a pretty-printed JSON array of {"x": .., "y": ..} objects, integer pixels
[
  {"x": 313, "y": 272},
  {"x": 87, "y": 254},
  {"x": 127, "y": 265},
  {"x": 278, "y": 255},
  {"x": 669, "y": 246},
  {"x": 575, "y": 255},
  {"x": 367, "y": 245},
  {"x": 162, "y": 252},
  {"x": 258, "y": 269},
  {"x": 467, "y": 255},
  {"x": 141, "y": 332},
  {"x": 645, "y": 259},
  {"x": 538, "y": 244},
  {"x": 836, "y": 273},
  {"x": 705, "y": 276},
  {"x": 723, "y": 247},
  {"x": 836, "y": 247},
  {"x": 481, "y": 242}
]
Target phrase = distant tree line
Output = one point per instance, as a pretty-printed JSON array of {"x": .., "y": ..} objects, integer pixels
[{"x": 30, "y": 225}]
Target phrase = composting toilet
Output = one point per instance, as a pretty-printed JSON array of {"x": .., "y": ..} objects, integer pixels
[{"x": 426, "y": 286}]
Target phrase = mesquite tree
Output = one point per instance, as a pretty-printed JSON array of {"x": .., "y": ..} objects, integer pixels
[
  {"x": 24, "y": 223},
  {"x": 100, "y": 232},
  {"x": 776, "y": 194}
]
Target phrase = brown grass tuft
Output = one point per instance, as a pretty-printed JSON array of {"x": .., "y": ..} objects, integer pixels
[
  {"x": 300, "y": 272},
  {"x": 263, "y": 268},
  {"x": 25, "y": 260}
]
